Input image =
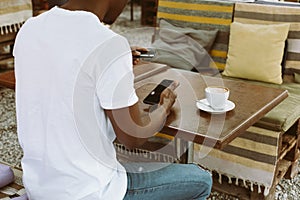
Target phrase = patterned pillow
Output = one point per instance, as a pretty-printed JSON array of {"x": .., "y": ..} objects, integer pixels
[
  {"x": 183, "y": 48},
  {"x": 204, "y": 15}
]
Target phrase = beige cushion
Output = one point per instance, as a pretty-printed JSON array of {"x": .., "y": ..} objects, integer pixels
[
  {"x": 184, "y": 48},
  {"x": 256, "y": 51}
]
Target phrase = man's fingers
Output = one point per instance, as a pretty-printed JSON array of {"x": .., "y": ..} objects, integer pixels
[
  {"x": 136, "y": 51},
  {"x": 163, "y": 95},
  {"x": 141, "y": 49},
  {"x": 169, "y": 94},
  {"x": 174, "y": 85}
]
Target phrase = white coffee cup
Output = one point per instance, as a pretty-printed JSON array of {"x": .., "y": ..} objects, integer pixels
[{"x": 217, "y": 96}]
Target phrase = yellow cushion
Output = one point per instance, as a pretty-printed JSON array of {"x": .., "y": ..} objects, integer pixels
[{"x": 255, "y": 51}]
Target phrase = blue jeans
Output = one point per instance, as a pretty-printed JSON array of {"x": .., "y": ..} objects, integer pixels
[{"x": 163, "y": 181}]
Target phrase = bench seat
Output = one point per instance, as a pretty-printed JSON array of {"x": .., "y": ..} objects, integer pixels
[{"x": 286, "y": 114}]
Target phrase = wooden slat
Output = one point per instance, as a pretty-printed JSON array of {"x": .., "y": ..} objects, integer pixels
[
  {"x": 7, "y": 79},
  {"x": 288, "y": 142},
  {"x": 8, "y": 37},
  {"x": 7, "y": 62},
  {"x": 282, "y": 168}
]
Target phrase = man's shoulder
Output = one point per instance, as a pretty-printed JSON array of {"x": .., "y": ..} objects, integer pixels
[{"x": 113, "y": 43}]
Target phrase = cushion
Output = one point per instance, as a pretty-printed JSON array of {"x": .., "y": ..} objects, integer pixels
[
  {"x": 271, "y": 13},
  {"x": 256, "y": 51},
  {"x": 6, "y": 175},
  {"x": 204, "y": 15},
  {"x": 184, "y": 48},
  {"x": 285, "y": 114}
]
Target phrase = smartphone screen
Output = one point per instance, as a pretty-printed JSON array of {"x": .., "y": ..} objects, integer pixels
[{"x": 154, "y": 96}]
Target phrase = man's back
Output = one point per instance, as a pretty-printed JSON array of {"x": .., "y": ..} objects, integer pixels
[{"x": 58, "y": 66}]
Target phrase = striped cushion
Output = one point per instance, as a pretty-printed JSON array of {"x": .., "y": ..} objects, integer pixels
[
  {"x": 204, "y": 14},
  {"x": 267, "y": 14},
  {"x": 248, "y": 160}
]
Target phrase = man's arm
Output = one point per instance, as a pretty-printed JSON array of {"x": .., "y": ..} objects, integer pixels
[{"x": 132, "y": 129}]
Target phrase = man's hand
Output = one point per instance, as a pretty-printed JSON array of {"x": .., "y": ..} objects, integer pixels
[
  {"x": 129, "y": 126},
  {"x": 168, "y": 97},
  {"x": 136, "y": 51}
]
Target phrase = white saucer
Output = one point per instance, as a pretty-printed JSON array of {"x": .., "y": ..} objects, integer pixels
[{"x": 204, "y": 105}]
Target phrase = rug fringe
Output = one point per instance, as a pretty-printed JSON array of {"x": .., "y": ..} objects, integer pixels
[
  {"x": 13, "y": 28},
  {"x": 145, "y": 154},
  {"x": 245, "y": 183}
]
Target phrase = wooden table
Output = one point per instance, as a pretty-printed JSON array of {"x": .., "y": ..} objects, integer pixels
[{"x": 186, "y": 121}]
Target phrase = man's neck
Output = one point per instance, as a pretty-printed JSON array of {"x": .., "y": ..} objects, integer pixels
[{"x": 94, "y": 6}]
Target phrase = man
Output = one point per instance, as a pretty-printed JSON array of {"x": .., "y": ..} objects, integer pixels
[
  {"x": 74, "y": 96},
  {"x": 52, "y": 3}
]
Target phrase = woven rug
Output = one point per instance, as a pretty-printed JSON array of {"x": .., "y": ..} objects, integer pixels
[
  {"x": 13, "y": 13},
  {"x": 248, "y": 160},
  {"x": 159, "y": 148}
]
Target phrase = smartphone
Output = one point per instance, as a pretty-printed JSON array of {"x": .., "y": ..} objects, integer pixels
[
  {"x": 154, "y": 96},
  {"x": 146, "y": 54}
]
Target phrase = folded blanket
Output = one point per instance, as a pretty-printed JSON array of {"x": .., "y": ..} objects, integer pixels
[
  {"x": 13, "y": 13},
  {"x": 248, "y": 160},
  {"x": 159, "y": 148}
]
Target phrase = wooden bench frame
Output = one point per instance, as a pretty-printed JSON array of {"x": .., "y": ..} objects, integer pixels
[
  {"x": 287, "y": 167},
  {"x": 7, "y": 79}
]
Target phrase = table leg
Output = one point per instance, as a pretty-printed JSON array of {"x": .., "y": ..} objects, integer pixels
[{"x": 131, "y": 10}]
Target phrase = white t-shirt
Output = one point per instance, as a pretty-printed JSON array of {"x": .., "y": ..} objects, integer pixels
[{"x": 69, "y": 67}]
